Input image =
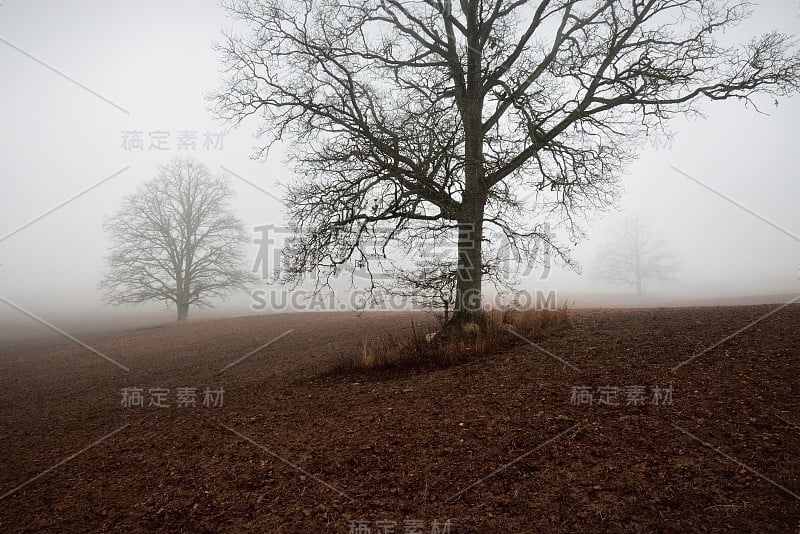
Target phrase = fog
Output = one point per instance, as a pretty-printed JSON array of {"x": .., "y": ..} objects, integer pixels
[{"x": 77, "y": 77}]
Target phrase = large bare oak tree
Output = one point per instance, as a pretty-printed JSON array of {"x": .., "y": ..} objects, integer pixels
[
  {"x": 176, "y": 239},
  {"x": 433, "y": 116}
]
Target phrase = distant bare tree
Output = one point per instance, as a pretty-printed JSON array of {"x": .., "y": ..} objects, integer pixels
[
  {"x": 431, "y": 284},
  {"x": 176, "y": 239},
  {"x": 636, "y": 256},
  {"x": 436, "y": 116}
]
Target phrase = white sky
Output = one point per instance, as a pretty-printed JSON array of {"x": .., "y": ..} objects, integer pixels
[{"x": 155, "y": 60}]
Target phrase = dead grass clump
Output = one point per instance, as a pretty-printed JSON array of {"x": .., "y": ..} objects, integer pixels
[
  {"x": 538, "y": 324},
  {"x": 500, "y": 329}
]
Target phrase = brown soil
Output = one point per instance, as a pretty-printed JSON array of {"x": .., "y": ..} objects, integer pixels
[{"x": 329, "y": 451}]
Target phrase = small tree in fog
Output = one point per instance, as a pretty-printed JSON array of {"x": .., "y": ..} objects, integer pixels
[
  {"x": 431, "y": 284},
  {"x": 636, "y": 256},
  {"x": 433, "y": 281},
  {"x": 176, "y": 239}
]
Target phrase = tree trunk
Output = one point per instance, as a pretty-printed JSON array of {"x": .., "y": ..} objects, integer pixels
[
  {"x": 182, "y": 280},
  {"x": 183, "y": 311},
  {"x": 468, "y": 305}
]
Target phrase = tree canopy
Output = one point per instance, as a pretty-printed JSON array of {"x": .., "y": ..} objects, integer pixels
[
  {"x": 176, "y": 240},
  {"x": 434, "y": 117}
]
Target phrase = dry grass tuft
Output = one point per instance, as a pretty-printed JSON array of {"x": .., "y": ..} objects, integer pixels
[{"x": 457, "y": 344}]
